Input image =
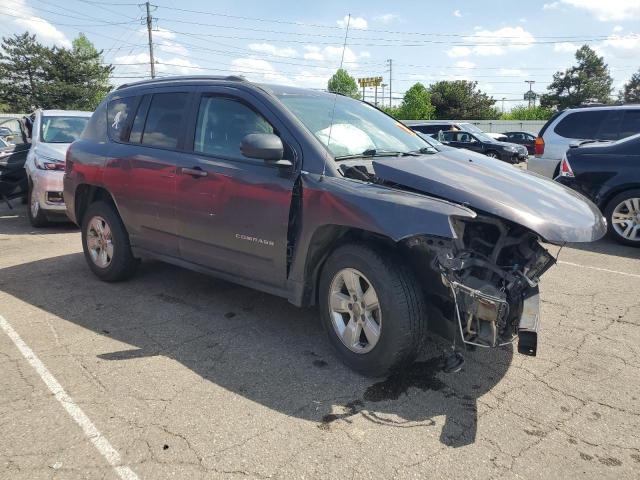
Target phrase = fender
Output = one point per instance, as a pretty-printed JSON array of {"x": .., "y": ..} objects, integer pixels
[{"x": 380, "y": 210}]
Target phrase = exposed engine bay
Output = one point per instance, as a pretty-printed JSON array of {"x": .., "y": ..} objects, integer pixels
[{"x": 490, "y": 272}]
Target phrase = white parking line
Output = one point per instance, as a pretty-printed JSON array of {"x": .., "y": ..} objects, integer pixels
[
  {"x": 99, "y": 441},
  {"x": 634, "y": 275}
]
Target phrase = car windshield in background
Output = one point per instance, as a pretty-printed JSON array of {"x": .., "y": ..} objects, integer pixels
[
  {"x": 483, "y": 137},
  {"x": 62, "y": 129},
  {"x": 470, "y": 127},
  {"x": 357, "y": 127}
]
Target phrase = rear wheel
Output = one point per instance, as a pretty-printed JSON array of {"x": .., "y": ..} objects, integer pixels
[
  {"x": 372, "y": 309},
  {"x": 492, "y": 154},
  {"x": 105, "y": 242},
  {"x": 623, "y": 217},
  {"x": 37, "y": 217}
]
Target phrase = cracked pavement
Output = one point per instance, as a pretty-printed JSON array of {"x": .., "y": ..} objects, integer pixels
[{"x": 189, "y": 377}]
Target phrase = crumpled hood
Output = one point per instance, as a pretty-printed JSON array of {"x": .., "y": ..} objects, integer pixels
[
  {"x": 556, "y": 213},
  {"x": 57, "y": 151}
]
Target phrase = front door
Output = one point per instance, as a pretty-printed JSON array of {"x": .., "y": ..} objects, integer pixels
[{"x": 233, "y": 211}]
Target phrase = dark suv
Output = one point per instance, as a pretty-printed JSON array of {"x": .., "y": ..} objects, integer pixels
[
  {"x": 323, "y": 200},
  {"x": 482, "y": 143}
]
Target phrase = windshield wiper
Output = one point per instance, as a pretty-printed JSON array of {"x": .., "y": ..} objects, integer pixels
[{"x": 378, "y": 153}]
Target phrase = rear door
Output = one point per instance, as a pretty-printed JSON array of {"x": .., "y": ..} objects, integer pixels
[
  {"x": 233, "y": 211},
  {"x": 141, "y": 172}
]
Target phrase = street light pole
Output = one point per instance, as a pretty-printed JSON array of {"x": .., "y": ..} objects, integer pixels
[{"x": 530, "y": 82}]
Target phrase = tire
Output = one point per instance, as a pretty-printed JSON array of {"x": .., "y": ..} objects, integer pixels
[
  {"x": 37, "y": 217},
  {"x": 400, "y": 316},
  {"x": 492, "y": 154},
  {"x": 109, "y": 256},
  {"x": 619, "y": 206}
]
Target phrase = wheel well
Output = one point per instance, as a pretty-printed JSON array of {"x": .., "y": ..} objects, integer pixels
[
  {"x": 614, "y": 192},
  {"x": 88, "y": 194},
  {"x": 324, "y": 241}
]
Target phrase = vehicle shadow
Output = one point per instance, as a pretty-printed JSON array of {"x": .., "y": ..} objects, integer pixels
[
  {"x": 15, "y": 222},
  {"x": 256, "y": 345},
  {"x": 607, "y": 246}
]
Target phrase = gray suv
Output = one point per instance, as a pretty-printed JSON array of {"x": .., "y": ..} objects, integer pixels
[{"x": 576, "y": 124}]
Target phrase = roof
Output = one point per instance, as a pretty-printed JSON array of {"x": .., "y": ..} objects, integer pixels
[
  {"x": 65, "y": 113},
  {"x": 183, "y": 78}
]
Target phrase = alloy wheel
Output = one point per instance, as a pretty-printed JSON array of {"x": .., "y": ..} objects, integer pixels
[
  {"x": 625, "y": 219},
  {"x": 355, "y": 310},
  {"x": 99, "y": 242}
]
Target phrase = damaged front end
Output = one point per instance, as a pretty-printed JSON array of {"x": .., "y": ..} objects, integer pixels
[{"x": 491, "y": 271}]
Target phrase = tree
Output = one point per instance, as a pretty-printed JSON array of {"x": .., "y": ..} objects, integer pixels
[
  {"x": 35, "y": 76},
  {"x": 461, "y": 99},
  {"x": 343, "y": 83},
  {"x": 630, "y": 93},
  {"x": 22, "y": 72},
  {"x": 393, "y": 111},
  {"x": 588, "y": 81},
  {"x": 528, "y": 113},
  {"x": 76, "y": 79},
  {"x": 416, "y": 104}
]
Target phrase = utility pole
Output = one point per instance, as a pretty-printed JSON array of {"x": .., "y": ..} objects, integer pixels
[
  {"x": 390, "y": 77},
  {"x": 149, "y": 28},
  {"x": 383, "y": 85},
  {"x": 503, "y": 99},
  {"x": 530, "y": 82}
]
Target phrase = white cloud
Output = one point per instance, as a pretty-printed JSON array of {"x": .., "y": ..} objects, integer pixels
[
  {"x": 465, "y": 64},
  {"x": 456, "y": 13},
  {"x": 165, "y": 65},
  {"x": 387, "y": 18},
  {"x": 608, "y": 11},
  {"x": 259, "y": 70},
  {"x": 622, "y": 46},
  {"x": 455, "y": 52},
  {"x": 551, "y": 6},
  {"x": 44, "y": 31},
  {"x": 565, "y": 47},
  {"x": 618, "y": 28},
  {"x": 330, "y": 54},
  {"x": 494, "y": 43},
  {"x": 364, "y": 54},
  {"x": 357, "y": 23},
  {"x": 286, "y": 52}
]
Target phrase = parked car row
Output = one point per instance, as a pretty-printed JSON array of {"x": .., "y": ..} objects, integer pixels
[
  {"x": 32, "y": 160},
  {"x": 466, "y": 135}
]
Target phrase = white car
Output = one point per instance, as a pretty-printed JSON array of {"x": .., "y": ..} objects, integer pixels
[
  {"x": 52, "y": 133},
  {"x": 571, "y": 126}
]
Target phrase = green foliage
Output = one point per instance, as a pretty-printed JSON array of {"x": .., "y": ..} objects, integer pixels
[
  {"x": 343, "y": 83},
  {"x": 523, "y": 112},
  {"x": 22, "y": 72},
  {"x": 393, "y": 111},
  {"x": 630, "y": 93},
  {"x": 35, "y": 76},
  {"x": 588, "y": 81},
  {"x": 416, "y": 104},
  {"x": 460, "y": 99}
]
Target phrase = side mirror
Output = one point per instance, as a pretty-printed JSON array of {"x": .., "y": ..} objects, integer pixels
[{"x": 264, "y": 146}]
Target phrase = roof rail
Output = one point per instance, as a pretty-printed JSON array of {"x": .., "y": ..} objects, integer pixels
[{"x": 230, "y": 78}]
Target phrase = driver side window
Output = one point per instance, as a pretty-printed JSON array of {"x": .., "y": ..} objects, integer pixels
[{"x": 222, "y": 124}]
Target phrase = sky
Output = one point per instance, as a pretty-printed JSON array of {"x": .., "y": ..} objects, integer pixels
[{"x": 499, "y": 44}]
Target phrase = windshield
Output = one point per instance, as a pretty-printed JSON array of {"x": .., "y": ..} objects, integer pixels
[
  {"x": 469, "y": 127},
  {"x": 483, "y": 137},
  {"x": 357, "y": 127},
  {"x": 62, "y": 129}
]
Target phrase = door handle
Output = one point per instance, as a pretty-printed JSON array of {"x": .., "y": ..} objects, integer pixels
[{"x": 195, "y": 172}]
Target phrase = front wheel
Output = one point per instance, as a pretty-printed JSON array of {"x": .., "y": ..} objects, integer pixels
[
  {"x": 372, "y": 309},
  {"x": 492, "y": 154},
  {"x": 623, "y": 217},
  {"x": 37, "y": 217},
  {"x": 105, "y": 242}
]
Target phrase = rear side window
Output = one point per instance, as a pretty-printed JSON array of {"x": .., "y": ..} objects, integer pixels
[
  {"x": 630, "y": 123},
  {"x": 96, "y": 129},
  {"x": 165, "y": 120},
  {"x": 119, "y": 117},
  {"x": 223, "y": 123},
  {"x": 581, "y": 125}
]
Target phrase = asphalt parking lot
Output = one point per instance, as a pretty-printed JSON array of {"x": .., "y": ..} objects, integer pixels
[{"x": 186, "y": 377}]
